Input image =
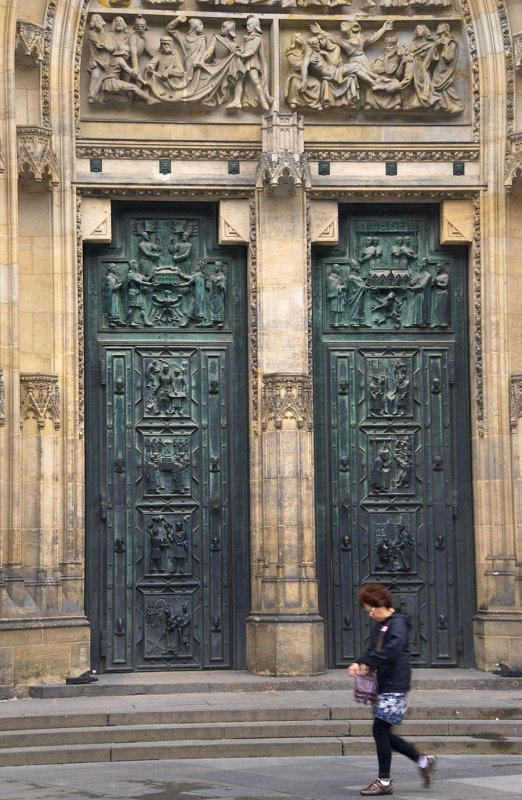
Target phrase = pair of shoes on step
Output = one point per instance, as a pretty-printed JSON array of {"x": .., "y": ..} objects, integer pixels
[{"x": 427, "y": 771}]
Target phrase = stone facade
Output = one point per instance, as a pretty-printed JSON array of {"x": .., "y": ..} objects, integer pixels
[{"x": 276, "y": 112}]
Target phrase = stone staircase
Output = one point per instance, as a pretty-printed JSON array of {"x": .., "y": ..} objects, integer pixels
[{"x": 131, "y": 718}]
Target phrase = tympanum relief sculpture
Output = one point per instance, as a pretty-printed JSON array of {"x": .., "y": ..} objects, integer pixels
[
  {"x": 389, "y": 285},
  {"x": 375, "y": 64}
]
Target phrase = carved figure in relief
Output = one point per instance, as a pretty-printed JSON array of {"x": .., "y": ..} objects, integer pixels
[
  {"x": 140, "y": 45},
  {"x": 402, "y": 547},
  {"x": 134, "y": 283},
  {"x": 179, "y": 392},
  {"x": 371, "y": 253},
  {"x": 118, "y": 35},
  {"x": 420, "y": 298},
  {"x": 222, "y": 66},
  {"x": 376, "y": 396},
  {"x": 407, "y": 254},
  {"x": 113, "y": 82},
  {"x": 397, "y": 397},
  {"x": 440, "y": 302},
  {"x": 335, "y": 295},
  {"x": 403, "y": 462},
  {"x": 251, "y": 88},
  {"x": 180, "y": 545},
  {"x": 338, "y": 85},
  {"x": 99, "y": 57},
  {"x": 384, "y": 551},
  {"x": 192, "y": 45},
  {"x": 417, "y": 84},
  {"x": 396, "y": 251},
  {"x": 152, "y": 373},
  {"x": 390, "y": 308},
  {"x": 380, "y": 474},
  {"x": 217, "y": 284},
  {"x": 180, "y": 249},
  {"x": 165, "y": 71},
  {"x": 164, "y": 392},
  {"x": 391, "y": 66},
  {"x": 443, "y": 75},
  {"x": 356, "y": 289},
  {"x": 158, "y": 543},
  {"x": 149, "y": 254},
  {"x": 113, "y": 286},
  {"x": 153, "y": 477}
]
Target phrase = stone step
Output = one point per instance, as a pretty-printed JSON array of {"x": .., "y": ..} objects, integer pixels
[
  {"x": 312, "y": 729},
  {"x": 183, "y": 682},
  {"x": 246, "y": 748}
]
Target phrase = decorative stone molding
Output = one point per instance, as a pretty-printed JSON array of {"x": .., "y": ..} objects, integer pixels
[
  {"x": 477, "y": 319},
  {"x": 287, "y": 397},
  {"x": 2, "y": 398},
  {"x": 29, "y": 48},
  {"x": 513, "y": 166},
  {"x": 40, "y": 399},
  {"x": 174, "y": 153},
  {"x": 389, "y": 154},
  {"x": 515, "y": 401},
  {"x": 2, "y": 162},
  {"x": 283, "y": 166},
  {"x": 36, "y": 161},
  {"x": 253, "y": 322},
  {"x": 139, "y": 193}
]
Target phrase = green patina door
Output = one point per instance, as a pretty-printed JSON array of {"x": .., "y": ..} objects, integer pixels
[
  {"x": 167, "y": 494},
  {"x": 393, "y": 431}
]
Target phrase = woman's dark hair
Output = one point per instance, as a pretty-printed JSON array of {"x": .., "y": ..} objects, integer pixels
[{"x": 375, "y": 595}]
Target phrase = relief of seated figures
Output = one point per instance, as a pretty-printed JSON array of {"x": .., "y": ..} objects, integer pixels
[{"x": 330, "y": 70}]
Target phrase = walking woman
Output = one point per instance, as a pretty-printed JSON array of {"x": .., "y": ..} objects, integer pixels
[{"x": 389, "y": 653}]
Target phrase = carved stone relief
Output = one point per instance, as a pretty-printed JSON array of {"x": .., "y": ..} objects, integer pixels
[
  {"x": 515, "y": 401},
  {"x": 377, "y": 65},
  {"x": 168, "y": 626},
  {"x": 29, "y": 48},
  {"x": 37, "y": 162},
  {"x": 40, "y": 399},
  {"x": 287, "y": 397}
]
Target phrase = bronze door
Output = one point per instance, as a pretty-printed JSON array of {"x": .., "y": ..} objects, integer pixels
[
  {"x": 392, "y": 405},
  {"x": 166, "y": 443}
]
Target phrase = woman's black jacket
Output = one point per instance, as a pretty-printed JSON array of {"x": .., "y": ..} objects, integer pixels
[{"x": 393, "y": 659}]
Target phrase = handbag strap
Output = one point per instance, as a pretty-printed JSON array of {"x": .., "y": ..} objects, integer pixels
[{"x": 378, "y": 645}]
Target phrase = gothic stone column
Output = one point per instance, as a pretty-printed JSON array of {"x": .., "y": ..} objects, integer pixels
[{"x": 285, "y": 634}]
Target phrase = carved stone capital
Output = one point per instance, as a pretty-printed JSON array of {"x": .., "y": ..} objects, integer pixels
[
  {"x": 2, "y": 398},
  {"x": 29, "y": 49},
  {"x": 40, "y": 399},
  {"x": 283, "y": 166},
  {"x": 515, "y": 401},
  {"x": 287, "y": 397},
  {"x": 37, "y": 162}
]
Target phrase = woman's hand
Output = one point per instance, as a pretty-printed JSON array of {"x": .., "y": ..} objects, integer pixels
[{"x": 356, "y": 669}]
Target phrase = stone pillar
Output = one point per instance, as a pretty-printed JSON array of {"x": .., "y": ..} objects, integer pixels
[{"x": 285, "y": 634}]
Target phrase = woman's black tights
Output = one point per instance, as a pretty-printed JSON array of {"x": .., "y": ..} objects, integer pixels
[{"x": 385, "y": 742}]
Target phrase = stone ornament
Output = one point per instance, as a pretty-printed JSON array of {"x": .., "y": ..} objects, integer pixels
[
  {"x": 2, "y": 398},
  {"x": 29, "y": 47},
  {"x": 283, "y": 166},
  {"x": 40, "y": 399},
  {"x": 517, "y": 50},
  {"x": 37, "y": 162},
  {"x": 515, "y": 401},
  {"x": 287, "y": 397}
]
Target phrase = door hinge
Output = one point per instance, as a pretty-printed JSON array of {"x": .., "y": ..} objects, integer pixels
[
  {"x": 454, "y": 504},
  {"x": 103, "y": 377},
  {"x": 451, "y": 368},
  {"x": 103, "y": 643},
  {"x": 103, "y": 506}
]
